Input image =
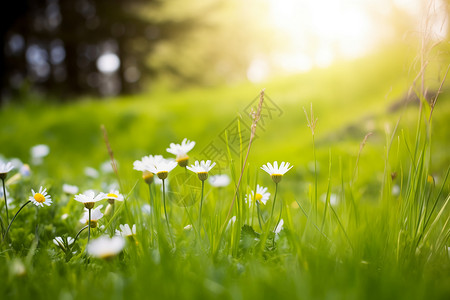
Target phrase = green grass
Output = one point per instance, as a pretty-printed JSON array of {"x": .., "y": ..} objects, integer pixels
[{"x": 374, "y": 244}]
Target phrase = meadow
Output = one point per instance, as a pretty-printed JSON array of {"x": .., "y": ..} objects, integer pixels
[{"x": 365, "y": 207}]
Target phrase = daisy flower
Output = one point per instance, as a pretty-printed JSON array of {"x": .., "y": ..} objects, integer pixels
[
  {"x": 5, "y": 169},
  {"x": 96, "y": 215},
  {"x": 105, "y": 247},
  {"x": 219, "y": 180},
  {"x": 114, "y": 195},
  {"x": 144, "y": 165},
  {"x": 201, "y": 169},
  {"x": 70, "y": 189},
  {"x": 89, "y": 198},
  {"x": 38, "y": 152},
  {"x": 162, "y": 167},
  {"x": 91, "y": 172},
  {"x": 276, "y": 172},
  {"x": 40, "y": 198},
  {"x": 146, "y": 161},
  {"x": 126, "y": 231},
  {"x": 261, "y": 195},
  {"x": 63, "y": 243},
  {"x": 181, "y": 150}
]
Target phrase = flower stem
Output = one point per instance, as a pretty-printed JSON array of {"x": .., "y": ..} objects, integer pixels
[
  {"x": 279, "y": 217},
  {"x": 201, "y": 204},
  {"x": 6, "y": 202},
  {"x": 9, "y": 226},
  {"x": 152, "y": 209},
  {"x": 89, "y": 226},
  {"x": 165, "y": 211},
  {"x": 274, "y": 200},
  {"x": 259, "y": 215},
  {"x": 79, "y": 232},
  {"x": 315, "y": 177}
]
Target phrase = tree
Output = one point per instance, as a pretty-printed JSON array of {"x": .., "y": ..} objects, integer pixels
[{"x": 71, "y": 47}]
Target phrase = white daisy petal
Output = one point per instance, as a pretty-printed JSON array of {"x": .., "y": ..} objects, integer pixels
[{"x": 40, "y": 198}]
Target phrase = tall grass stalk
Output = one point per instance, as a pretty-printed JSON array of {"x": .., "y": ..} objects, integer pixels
[
  {"x": 255, "y": 116},
  {"x": 6, "y": 201},
  {"x": 312, "y": 122}
]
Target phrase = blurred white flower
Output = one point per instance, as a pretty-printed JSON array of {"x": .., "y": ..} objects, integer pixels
[
  {"x": 70, "y": 189},
  {"x": 231, "y": 222},
  {"x": 63, "y": 243},
  {"x": 261, "y": 195},
  {"x": 201, "y": 168},
  {"x": 114, "y": 195},
  {"x": 126, "y": 231},
  {"x": 162, "y": 168},
  {"x": 106, "y": 167},
  {"x": 146, "y": 161},
  {"x": 275, "y": 171},
  {"x": 89, "y": 198},
  {"x": 188, "y": 227},
  {"x": 40, "y": 198},
  {"x": 279, "y": 227},
  {"x": 17, "y": 268},
  {"x": 5, "y": 169},
  {"x": 9, "y": 199},
  {"x": 146, "y": 209},
  {"x": 25, "y": 170},
  {"x": 181, "y": 150},
  {"x": 96, "y": 215},
  {"x": 395, "y": 190},
  {"x": 91, "y": 172},
  {"x": 38, "y": 152},
  {"x": 105, "y": 247},
  {"x": 334, "y": 200},
  {"x": 219, "y": 180}
]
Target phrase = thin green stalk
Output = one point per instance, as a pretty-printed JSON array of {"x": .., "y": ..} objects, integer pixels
[
  {"x": 78, "y": 234},
  {"x": 315, "y": 177},
  {"x": 274, "y": 200},
  {"x": 6, "y": 202},
  {"x": 259, "y": 215},
  {"x": 201, "y": 205},
  {"x": 281, "y": 210},
  {"x": 165, "y": 211},
  {"x": 89, "y": 226},
  {"x": 9, "y": 226},
  {"x": 278, "y": 222},
  {"x": 327, "y": 200},
  {"x": 152, "y": 208},
  {"x": 309, "y": 221},
  {"x": 342, "y": 227}
]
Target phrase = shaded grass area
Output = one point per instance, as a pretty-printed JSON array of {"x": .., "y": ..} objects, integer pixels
[{"x": 363, "y": 248}]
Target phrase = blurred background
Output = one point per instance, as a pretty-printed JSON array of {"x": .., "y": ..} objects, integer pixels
[
  {"x": 155, "y": 72},
  {"x": 106, "y": 48}
]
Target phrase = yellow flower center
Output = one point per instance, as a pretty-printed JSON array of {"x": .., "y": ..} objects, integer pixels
[
  {"x": 111, "y": 195},
  {"x": 183, "y": 161},
  {"x": 39, "y": 198},
  {"x": 89, "y": 205},
  {"x": 162, "y": 175},
  {"x": 258, "y": 197},
  {"x": 277, "y": 177},
  {"x": 148, "y": 177},
  {"x": 202, "y": 175}
]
